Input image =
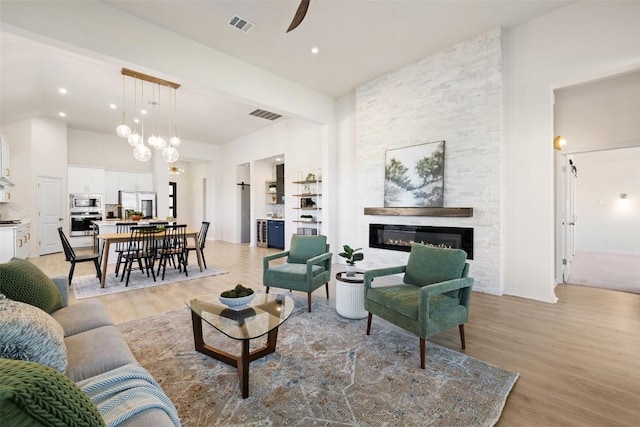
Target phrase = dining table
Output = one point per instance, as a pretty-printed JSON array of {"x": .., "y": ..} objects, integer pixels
[{"x": 108, "y": 238}]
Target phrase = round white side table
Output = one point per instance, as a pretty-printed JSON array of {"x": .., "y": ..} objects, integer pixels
[{"x": 350, "y": 295}]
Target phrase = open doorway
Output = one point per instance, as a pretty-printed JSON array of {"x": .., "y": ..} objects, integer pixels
[
  {"x": 607, "y": 230},
  {"x": 599, "y": 120}
]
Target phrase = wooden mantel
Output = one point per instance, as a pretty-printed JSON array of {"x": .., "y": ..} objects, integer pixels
[{"x": 443, "y": 212}]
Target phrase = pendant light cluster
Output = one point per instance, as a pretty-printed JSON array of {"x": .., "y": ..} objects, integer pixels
[{"x": 135, "y": 136}]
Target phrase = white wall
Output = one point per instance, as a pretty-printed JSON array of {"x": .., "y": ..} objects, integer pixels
[
  {"x": 100, "y": 150},
  {"x": 579, "y": 42},
  {"x": 454, "y": 96},
  {"x": 607, "y": 223},
  {"x": 38, "y": 148},
  {"x": 600, "y": 114},
  {"x": 300, "y": 142}
]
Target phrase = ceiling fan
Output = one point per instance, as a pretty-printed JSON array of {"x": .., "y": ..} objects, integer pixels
[{"x": 300, "y": 14}]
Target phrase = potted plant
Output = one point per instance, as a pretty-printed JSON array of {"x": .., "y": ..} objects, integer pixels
[
  {"x": 352, "y": 256},
  {"x": 135, "y": 215}
]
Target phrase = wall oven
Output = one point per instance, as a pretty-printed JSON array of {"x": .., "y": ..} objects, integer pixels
[
  {"x": 82, "y": 222},
  {"x": 84, "y": 202}
]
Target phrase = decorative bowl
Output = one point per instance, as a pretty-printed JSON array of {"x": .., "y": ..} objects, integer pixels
[{"x": 237, "y": 302}]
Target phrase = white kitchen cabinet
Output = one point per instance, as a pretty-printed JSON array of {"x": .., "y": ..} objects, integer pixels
[
  {"x": 86, "y": 180},
  {"x": 5, "y": 158},
  {"x": 15, "y": 241},
  {"x": 5, "y": 194},
  {"x": 130, "y": 181},
  {"x": 5, "y": 170},
  {"x": 145, "y": 182},
  {"x": 111, "y": 187}
]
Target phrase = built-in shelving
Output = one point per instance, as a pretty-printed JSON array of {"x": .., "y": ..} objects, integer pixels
[{"x": 309, "y": 191}]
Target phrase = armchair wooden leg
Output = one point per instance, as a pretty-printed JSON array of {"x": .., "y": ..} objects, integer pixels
[
  {"x": 267, "y": 291},
  {"x": 326, "y": 285},
  {"x": 309, "y": 302},
  {"x": 461, "y": 327},
  {"x": 422, "y": 351},
  {"x": 369, "y": 323}
]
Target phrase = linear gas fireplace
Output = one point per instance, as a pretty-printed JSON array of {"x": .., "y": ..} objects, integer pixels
[{"x": 401, "y": 237}]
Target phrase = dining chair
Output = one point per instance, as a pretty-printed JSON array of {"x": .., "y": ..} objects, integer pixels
[
  {"x": 173, "y": 248},
  {"x": 70, "y": 256},
  {"x": 121, "y": 247},
  {"x": 140, "y": 249},
  {"x": 202, "y": 238}
]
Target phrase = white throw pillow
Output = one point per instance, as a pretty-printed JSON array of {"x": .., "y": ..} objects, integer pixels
[{"x": 29, "y": 333}]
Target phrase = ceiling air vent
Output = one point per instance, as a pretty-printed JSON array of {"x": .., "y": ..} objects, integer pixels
[
  {"x": 241, "y": 23},
  {"x": 268, "y": 115}
]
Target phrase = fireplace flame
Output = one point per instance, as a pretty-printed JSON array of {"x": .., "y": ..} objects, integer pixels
[{"x": 400, "y": 242}]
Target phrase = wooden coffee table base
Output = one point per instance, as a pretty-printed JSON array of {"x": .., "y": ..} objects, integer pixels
[{"x": 240, "y": 362}]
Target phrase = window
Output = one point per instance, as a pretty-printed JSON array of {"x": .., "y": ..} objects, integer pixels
[{"x": 173, "y": 199}]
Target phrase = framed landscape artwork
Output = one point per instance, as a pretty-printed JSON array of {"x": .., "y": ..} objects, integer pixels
[{"x": 414, "y": 176}]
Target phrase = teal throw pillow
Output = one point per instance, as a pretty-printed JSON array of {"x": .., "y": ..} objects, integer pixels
[
  {"x": 32, "y": 394},
  {"x": 22, "y": 281}
]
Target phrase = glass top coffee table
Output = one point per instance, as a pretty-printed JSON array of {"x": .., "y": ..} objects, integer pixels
[{"x": 262, "y": 316}]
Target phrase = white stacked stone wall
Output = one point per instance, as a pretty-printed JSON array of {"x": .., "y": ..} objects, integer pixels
[{"x": 456, "y": 96}]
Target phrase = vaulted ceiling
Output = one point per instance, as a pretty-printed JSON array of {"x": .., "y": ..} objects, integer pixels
[{"x": 357, "y": 40}]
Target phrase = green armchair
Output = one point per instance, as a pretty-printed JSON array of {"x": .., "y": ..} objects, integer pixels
[
  {"x": 307, "y": 268},
  {"x": 433, "y": 296}
]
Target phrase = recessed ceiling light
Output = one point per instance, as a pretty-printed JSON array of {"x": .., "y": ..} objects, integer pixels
[
  {"x": 143, "y": 111},
  {"x": 113, "y": 106},
  {"x": 62, "y": 91},
  {"x": 62, "y": 114},
  {"x": 315, "y": 50},
  {"x": 136, "y": 120}
]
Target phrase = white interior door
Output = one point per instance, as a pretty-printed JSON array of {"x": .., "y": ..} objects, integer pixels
[
  {"x": 50, "y": 214},
  {"x": 568, "y": 216}
]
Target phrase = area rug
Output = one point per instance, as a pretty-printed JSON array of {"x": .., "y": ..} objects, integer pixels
[
  {"x": 325, "y": 371},
  {"x": 89, "y": 286}
]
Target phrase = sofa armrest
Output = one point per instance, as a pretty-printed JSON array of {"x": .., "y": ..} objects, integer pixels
[
  {"x": 62, "y": 283},
  {"x": 370, "y": 274}
]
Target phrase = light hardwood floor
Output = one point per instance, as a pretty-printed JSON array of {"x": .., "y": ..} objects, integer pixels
[{"x": 578, "y": 359}]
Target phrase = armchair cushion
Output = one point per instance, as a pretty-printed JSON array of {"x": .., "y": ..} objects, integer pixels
[
  {"x": 404, "y": 299},
  {"x": 429, "y": 265},
  {"x": 22, "y": 281},
  {"x": 305, "y": 247},
  {"x": 293, "y": 272}
]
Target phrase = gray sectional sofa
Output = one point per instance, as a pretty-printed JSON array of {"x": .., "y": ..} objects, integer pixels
[{"x": 98, "y": 360}]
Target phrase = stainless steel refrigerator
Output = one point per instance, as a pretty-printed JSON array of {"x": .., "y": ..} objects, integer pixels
[{"x": 142, "y": 201}]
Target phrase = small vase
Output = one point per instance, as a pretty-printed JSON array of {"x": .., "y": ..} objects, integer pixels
[{"x": 351, "y": 270}]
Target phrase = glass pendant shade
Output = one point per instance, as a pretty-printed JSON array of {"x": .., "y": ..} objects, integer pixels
[
  {"x": 174, "y": 141},
  {"x": 134, "y": 139},
  {"x": 152, "y": 141},
  {"x": 123, "y": 131},
  {"x": 161, "y": 144},
  {"x": 170, "y": 154},
  {"x": 142, "y": 153}
]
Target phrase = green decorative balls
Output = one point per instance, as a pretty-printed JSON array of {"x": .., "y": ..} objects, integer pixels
[{"x": 238, "y": 292}]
